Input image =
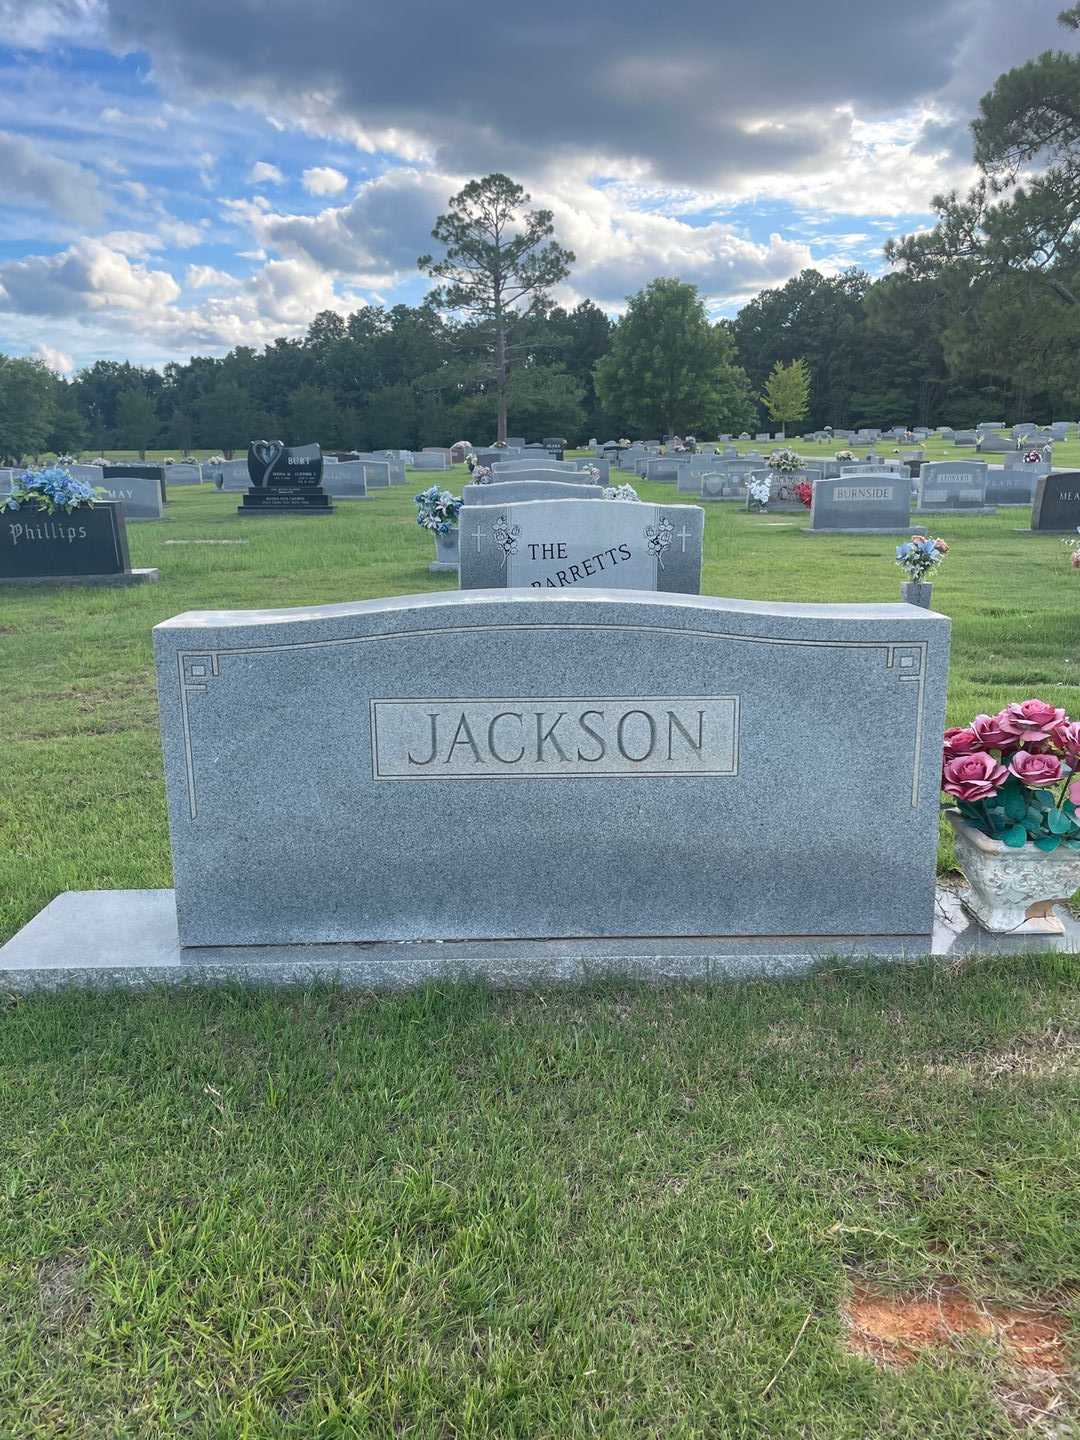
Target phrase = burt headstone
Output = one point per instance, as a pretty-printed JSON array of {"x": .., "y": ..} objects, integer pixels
[{"x": 284, "y": 480}]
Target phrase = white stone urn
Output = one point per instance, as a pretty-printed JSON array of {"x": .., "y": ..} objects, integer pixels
[{"x": 1013, "y": 889}]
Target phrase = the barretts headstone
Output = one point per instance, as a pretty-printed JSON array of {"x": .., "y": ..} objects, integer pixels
[
  {"x": 285, "y": 480},
  {"x": 877, "y": 503},
  {"x": 505, "y": 492},
  {"x": 140, "y": 496},
  {"x": 953, "y": 485},
  {"x": 1057, "y": 502},
  {"x": 559, "y": 544},
  {"x": 656, "y": 719},
  {"x": 85, "y": 546}
]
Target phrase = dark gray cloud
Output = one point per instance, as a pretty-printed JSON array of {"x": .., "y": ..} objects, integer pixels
[
  {"x": 698, "y": 91},
  {"x": 31, "y": 176}
]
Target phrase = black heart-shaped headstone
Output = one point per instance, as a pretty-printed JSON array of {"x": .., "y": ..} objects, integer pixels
[{"x": 263, "y": 456}]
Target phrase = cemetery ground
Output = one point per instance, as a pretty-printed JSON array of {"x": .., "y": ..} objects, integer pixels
[{"x": 681, "y": 1212}]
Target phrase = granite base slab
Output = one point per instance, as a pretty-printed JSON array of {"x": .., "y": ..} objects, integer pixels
[
  {"x": 127, "y": 939},
  {"x": 441, "y": 567},
  {"x": 954, "y": 510},
  {"x": 126, "y": 577},
  {"x": 857, "y": 530}
]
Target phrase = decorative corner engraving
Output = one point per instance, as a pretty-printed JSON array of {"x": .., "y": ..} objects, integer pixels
[
  {"x": 505, "y": 536},
  {"x": 659, "y": 538},
  {"x": 195, "y": 668}
]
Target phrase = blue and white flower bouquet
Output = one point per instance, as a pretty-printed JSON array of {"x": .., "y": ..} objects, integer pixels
[
  {"x": 50, "y": 490},
  {"x": 437, "y": 510}
]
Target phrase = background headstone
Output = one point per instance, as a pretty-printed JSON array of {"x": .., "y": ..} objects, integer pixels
[{"x": 1057, "y": 502}]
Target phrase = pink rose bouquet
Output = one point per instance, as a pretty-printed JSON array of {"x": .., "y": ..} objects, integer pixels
[{"x": 1013, "y": 775}]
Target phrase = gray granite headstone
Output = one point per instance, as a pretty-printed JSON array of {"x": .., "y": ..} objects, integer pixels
[
  {"x": 541, "y": 471},
  {"x": 183, "y": 473},
  {"x": 500, "y": 729},
  {"x": 870, "y": 501},
  {"x": 232, "y": 475},
  {"x": 347, "y": 480},
  {"x": 139, "y": 496},
  {"x": 505, "y": 492},
  {"x": 600, "y": 544},
  {"x": 430, "y": 461},
  {"x": 378, "y": 474},
  {"x": 92, "y": 474},
  {"x": 1057, "y": 502},
  {"x": 721, "y": 485},
  {"x": 1011, "y": 485},
  {"x": 953, "y": 485}
]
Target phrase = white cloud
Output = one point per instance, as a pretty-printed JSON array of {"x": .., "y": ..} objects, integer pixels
[
  {"x": 324, "y": 180},
  {"x": 55, "y": 359},
  {"x": 88, "y": 277},
  {"x": 263, "y": 173},
  {"x": 203, "y": 277}
]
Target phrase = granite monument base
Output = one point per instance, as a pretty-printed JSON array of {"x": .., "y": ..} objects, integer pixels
[
  {"x": 123, "y": 577},
  {"x": 857, "y": 530},
  {"x": 127, "y": 939},
  {"x": 442, "y": 567},
  {"x": 277, "y": 500}
]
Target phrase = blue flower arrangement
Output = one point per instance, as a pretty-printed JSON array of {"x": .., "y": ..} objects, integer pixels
[
  {"x": 437, "y": 510},
  {"x": 50, "y": 490}
]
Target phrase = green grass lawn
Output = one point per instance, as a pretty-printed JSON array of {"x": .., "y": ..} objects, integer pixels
[
  {"x": 602, "y": 1213},
  {"x": 608, "y": 1213}
]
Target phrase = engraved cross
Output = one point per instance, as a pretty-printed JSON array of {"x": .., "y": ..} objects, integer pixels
[{"x": 683, "y": 535}]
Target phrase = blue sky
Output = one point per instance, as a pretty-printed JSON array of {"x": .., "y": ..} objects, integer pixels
[{"x": 183, "y": 179}]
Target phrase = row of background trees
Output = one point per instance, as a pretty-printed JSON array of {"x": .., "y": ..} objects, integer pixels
[{"x": 980, "y": 315}]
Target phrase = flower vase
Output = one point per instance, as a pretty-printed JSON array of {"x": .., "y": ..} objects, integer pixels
[
  {"x": 446, "y": 551},
  {"x": 917, "y": 592},
  {"x": 1013, "y": 889}
]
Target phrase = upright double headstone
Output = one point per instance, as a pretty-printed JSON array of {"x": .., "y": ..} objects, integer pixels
[
  {"x": 952, "y": 485},
  {"x": 559, "y": 544},
  {"x": 875, "y": 503},
  {"x": 284, "y": 480}
]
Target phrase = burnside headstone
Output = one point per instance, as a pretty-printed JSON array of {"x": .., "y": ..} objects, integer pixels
[
  {"x": 284, "y": 480},
  {"x": 557, "y": 544},
  {"x": 880, "y": 504}
]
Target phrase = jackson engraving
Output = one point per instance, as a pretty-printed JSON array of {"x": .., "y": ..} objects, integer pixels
[{"x": 542, "y": 738}]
